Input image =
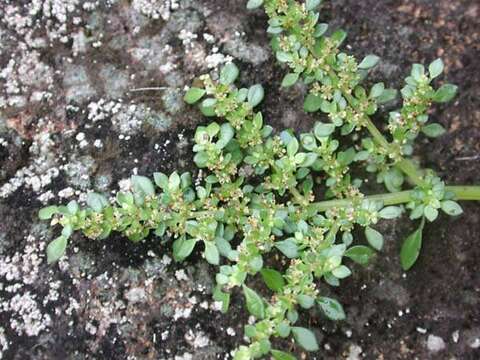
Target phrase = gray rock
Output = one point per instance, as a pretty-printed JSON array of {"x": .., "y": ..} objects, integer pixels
[
  {"x": 129, "y": 119},
  {"x": 159, "y": 121},
  {"x": 251, "y": 53},
  {"x": 78, "y": 172},
  {"x": 188, "y": 20},
  {"x": 175, "y": 79},
  {"x": 435, "y": 343},
  {"x": 102, "y": 182},
  {"x": 173, "y": 101},
  {"x": 392, "y": 291},
  {"x": 151, "y": 52},
  {"x": 354, "y": 352},
  {"x": 115, "y": 81},
  {"x": 77, "y": 84},
  {"x": 472, "y": 338},
  {"x": 136, "y": 295}
]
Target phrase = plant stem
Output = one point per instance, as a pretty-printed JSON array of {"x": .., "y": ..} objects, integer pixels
[
  {"x": 297, "y": 195},
  {"x": 376, "y": 134},
  {"x": 463, "y": 192},
  {"x": 405, "y": 165},
  {"x": 408, "y": 168},
  {"x": 402, "y": 197}
]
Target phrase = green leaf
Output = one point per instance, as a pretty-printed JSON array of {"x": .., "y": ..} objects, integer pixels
[
  {"x": 435, "y": 68},
  {"x": 430, "y": 213},
  {"x": 283, "y": 329},
  {"x": 339, "y": 37},
  {"x": 312, "y": 4},
  {"x": 255, "y": 95},
  {"x": 417, "y": 212},
  {"x": 374, "y": 238},
  {"x": 305, "y": 338},
  {"x": 193, "y": 95},
  {"x": 243, "y": 353},
  {"x": 451, "y": 208},
  {"x": 377, "y": 90},
  {"x": 96, "y": 201},
  {"x": 305, "y": 301},
  {"x": 222, "y": 297},
  {"x": 161, "y": 180},
  {"x": 67, "y": 231},
  {"x": 411, "y": 248},
  {"x": 433, "y": 130},
  {"x": 322, "y": 130},
  {"x": 280, "y": 355},
  {"x": 331, "y": 308},
  {"x": 446, "y": 93},
  {"x": 346, "y": 157},
  {"x": 390, "y": 212},
  {"x": 292, "y": 147},
  {"x": 387, "y": 95},
  {"x": 288, "y": 248},
  {"x": 312, "y": 103},
  {"x": 229, "y": 74},
  {"x": 369, "y": 62},
  {"x": 283, "y": 56},
  {"x": 256, "y": 263},
  {"x": 142, "y": 185},
  {"x": 182, "y": 248},
  {"x": 124, "y": 198},
  {"x": 174, "y": 181},
  {"x": 253, "y": 4},
  {"x": 212, "y": 129},
  {"x": 207, "y": 107},
  {"x": 341, "y": 272},
  {"x": 347, "y": 238},
  {"x": 360, "y": 254},
  {"x": 273, "y": 279},
  {"x": 255, "y": 304},
  {"x": 73, "y": 207},
  {"x": 56, "y": 249},
  {"x": 47, "y": 212},
  {"x": 290, "y": 79},
  {"x": 320, "y": 30},
  {"x": 394, "y": 180},
  {"x": 226, "y": 134},
  {"x": 418, "y": 70},
  {"x": 211, "y": 253}
]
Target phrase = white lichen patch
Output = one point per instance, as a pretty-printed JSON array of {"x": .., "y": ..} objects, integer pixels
[
  {"x": 40, "y": 173},
  {"x": 3, "y": 342},
  {"x": 24, "y": 79},
  {"x": 26, "y": 315},
  {"x": 23, "y": 266},
  {"x": 155, "y": 9},
  {"x": 53, "y": 17},
  {"x": 197, "y": 340},
  {"x": 19, "y": 273}
]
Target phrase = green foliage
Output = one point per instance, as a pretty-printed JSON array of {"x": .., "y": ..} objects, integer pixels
[
  {"x": 411, "y": 248},
  {"x": 260, "y": 185},
  {"x": 56, "y": 249},
  {"x": 305, "y": 338},
  {"x": 331, "y": 308}
]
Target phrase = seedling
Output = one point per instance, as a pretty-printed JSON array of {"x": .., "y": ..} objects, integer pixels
[{"x": 262, "y": 185}]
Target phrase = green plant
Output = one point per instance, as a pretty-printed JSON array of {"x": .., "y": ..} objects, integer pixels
[{"x": 259, "y": 195}]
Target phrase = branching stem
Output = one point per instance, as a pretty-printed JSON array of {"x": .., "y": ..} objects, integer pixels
[{"x": 402, "y": 197}]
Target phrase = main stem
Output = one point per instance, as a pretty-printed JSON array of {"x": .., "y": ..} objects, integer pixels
[{"x": 401, "y": 197}]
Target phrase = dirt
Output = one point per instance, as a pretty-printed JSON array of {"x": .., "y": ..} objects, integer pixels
[{"x": 390, "y": 314}]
